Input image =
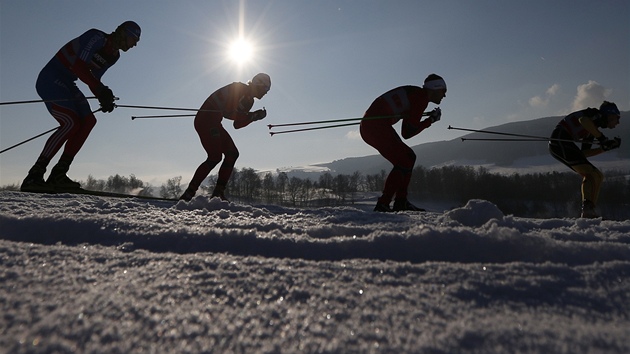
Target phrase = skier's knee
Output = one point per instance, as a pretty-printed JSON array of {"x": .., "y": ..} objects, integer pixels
[
  {"x": 211, "y": 162},
  {"x": 232, "y": 155},
  {"x": 590, "y": 172},
  {"x": 404, "y": 170}
]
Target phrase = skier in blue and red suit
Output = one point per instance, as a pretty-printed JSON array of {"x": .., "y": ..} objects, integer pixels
[
  {"x": 407, "y": 103},
  {"x": 86, "y": 58},
  {"x": 232, "y": 102}
]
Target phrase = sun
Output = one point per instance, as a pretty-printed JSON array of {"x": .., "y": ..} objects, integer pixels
[{"x": 240, "y": 51}]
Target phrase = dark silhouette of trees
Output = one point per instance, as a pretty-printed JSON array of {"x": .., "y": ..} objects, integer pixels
[
  {"x": 172, "y": 188},
  {"x": 118, "y": 184},
  {"x": 552, "y": 194}
]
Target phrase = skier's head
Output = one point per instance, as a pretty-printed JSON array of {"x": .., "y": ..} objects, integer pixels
[
  {"x": 127, "y": 35},
  {"x": 610, "y": 115},
  {"x": 261, "y": 84},
  {"x": 436, "y": 88}
]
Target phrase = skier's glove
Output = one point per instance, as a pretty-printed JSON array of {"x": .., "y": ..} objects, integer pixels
[
  {"x": 106, "y": 99},
  {"x": 435, "y": 115},
  {"x": 257, "y": 115},
  {"x": 610, "y": 144}
]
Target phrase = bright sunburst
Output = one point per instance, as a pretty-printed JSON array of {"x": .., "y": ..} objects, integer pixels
[{"x": 240, "y": 51}]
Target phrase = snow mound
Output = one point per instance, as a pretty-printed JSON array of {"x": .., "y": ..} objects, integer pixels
[{"x": 475, "y": 213}]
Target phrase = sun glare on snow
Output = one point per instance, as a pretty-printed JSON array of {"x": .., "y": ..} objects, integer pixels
[{"x": 240, "y": 51}]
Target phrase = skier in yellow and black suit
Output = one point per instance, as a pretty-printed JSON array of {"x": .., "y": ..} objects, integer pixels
[{"x": 584, "y": 126}]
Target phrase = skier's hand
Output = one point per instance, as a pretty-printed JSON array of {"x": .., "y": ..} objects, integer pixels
[
  {"x": 435, "y": 115},
  {"x": 106, "y": 99},
  {"x": 258, "y": 115},
  {"x": 610, "y": 144}
]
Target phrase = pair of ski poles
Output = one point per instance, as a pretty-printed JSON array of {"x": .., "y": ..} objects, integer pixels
[
  {"x": 354, "y": 121},
  {"x": 513, "y": 137},
  {"x": 61, "y": 100}
]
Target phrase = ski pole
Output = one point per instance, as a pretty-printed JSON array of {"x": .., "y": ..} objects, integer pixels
[
  {"x": 153, "y": 107},
  {"x": 163, "y": 116},
  {"x": 169, "y": 108},
  {"x": 524, "y": 139},
  {"x": 42, "y": 101},
  {"x": 514, "y": 139},
  {"x": 270, "y": 126},
  {"x": 27, "y": 140},
  {"x": 515, "y": 135},
  {"x": 35, "y": 137},
  {"x": 497, "y": 133},
  {"x": 316, "y": 128}
]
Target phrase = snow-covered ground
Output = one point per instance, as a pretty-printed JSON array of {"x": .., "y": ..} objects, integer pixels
[{"x": 94, "y": 274}]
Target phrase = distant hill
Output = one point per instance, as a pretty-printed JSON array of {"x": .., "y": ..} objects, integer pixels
[{"x": 522, "y": 157}]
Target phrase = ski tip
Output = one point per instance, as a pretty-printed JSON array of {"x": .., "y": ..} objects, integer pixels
[{"x": 269, "y": 126}]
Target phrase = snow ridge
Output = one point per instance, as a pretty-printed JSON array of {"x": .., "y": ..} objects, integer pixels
[{"x": 477, "y": 232}]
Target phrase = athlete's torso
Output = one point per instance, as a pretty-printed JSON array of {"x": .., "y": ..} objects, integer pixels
[{"x": 90, "y": 48}]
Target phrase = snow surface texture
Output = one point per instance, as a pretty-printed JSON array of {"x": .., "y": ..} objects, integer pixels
[{"x": 95, "y": 274}]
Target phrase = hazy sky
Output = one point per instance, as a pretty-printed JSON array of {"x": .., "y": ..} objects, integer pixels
[{"x": 503, "y": 61}]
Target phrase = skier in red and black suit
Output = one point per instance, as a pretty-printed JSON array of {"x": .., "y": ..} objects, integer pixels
[
  {"x": 232, "y": 102},
  {"x": 584, "y": 125},
  {"x": 86, "y": 58},
  {"x": 407, "y": 103}
]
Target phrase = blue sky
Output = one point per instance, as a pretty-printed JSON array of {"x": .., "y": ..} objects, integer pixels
[{"x": 503, "y": 61}]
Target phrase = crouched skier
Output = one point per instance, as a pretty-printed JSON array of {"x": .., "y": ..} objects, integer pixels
[
  {"x": 87, "y": 58},
  {"x": 407, "y": 103},
  {"x": 232, "y": 102},
  {"x": 585, "y": 125}
]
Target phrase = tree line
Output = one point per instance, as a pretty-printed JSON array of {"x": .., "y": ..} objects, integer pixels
[{"x": 551, "y": 194}]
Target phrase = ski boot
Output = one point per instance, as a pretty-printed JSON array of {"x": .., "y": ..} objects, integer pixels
[
  {"x": 219, "y": 192},
  {"x": 59, "y": 181},
  {"x": 383, "y": 208},
  {"x": 588, "y": 210},
  {"x": 34, "y": 181},
  {"x": 187, "y": 196}
]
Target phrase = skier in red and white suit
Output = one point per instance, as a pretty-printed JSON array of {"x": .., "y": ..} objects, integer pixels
[
  {"x": 407, "y": 103},
  {"x": 232, "y": 102}
]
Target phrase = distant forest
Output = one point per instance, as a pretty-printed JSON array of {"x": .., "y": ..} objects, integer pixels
[{"x": 539, "y": 195}]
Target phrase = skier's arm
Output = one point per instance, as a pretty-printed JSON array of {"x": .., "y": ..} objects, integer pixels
[
  {"x": 413, "y": 124},
  {"x": 413, "y": 127},
  {"x": 83, "y": 72},
  {"x": 588, "y": 124},
  {"x": 251, "y": 117},
  {"x": 241, "y": 115},
  {"x": 587, "y": 148}
]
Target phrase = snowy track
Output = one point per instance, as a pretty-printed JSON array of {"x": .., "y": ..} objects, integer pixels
[
  {"x": 84, "y": 273},
  {"x": 478, "y": 232}
]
